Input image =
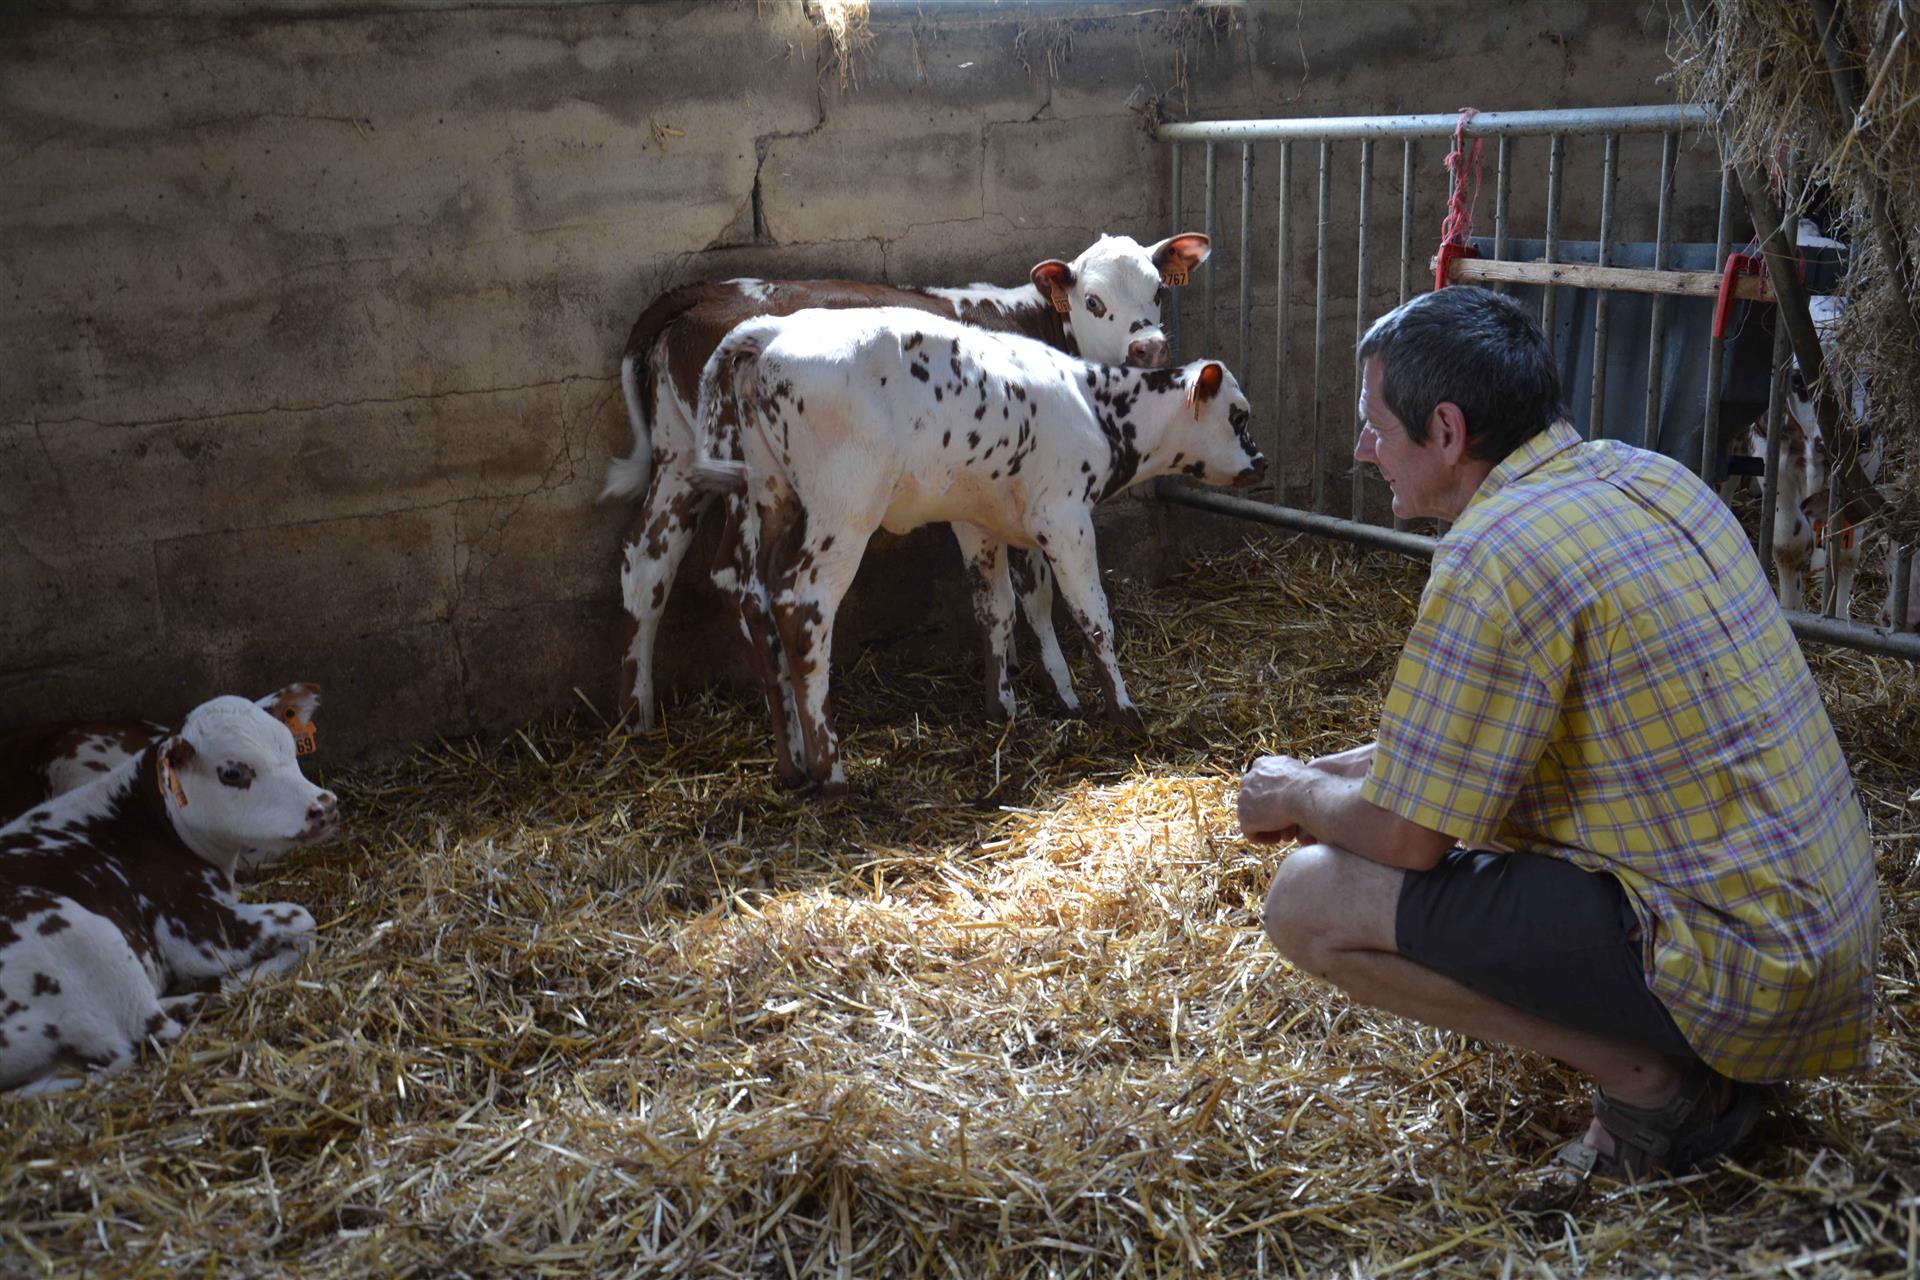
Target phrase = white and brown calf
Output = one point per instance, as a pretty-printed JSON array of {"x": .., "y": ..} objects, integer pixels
[
  {"x": 117, "y": 901},
  {"x": 851, "y": 421},
  {"x": 43, "y": 761},
  {"x": 1104, "y": 305}
]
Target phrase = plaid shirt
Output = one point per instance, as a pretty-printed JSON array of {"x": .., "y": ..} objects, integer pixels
[{"x": 1599, "y": 672}]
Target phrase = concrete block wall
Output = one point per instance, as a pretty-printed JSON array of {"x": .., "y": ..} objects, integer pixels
[{"x": 314, "y": 313}]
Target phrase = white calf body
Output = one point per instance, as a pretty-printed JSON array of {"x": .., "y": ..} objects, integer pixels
[
  {"x": 117, "y": 899},
  {"x": 851, "y": 421}
]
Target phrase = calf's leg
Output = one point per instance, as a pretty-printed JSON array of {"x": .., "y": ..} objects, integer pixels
[
  {"x": 1068, "y": 541},
  {"x": 808, "y": 586},
  {"x": 739, "y": 574},
  {"x": 1033, "y": 579},
  {"x": 651, "y": 554},
  {"x": 984, "y": 559}
]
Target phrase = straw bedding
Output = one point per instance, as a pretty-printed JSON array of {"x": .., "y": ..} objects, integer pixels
[{"x": 591, "y": 1005}]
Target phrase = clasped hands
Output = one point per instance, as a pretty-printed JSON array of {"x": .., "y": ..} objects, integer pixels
[{"x": 1276, "y": 792}]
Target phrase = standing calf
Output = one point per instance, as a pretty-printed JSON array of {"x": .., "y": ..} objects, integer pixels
[
  {"x": 117, "y": 901},
  {"x": 1104, "y": 305},
  {"x": 850, "y": 421}
]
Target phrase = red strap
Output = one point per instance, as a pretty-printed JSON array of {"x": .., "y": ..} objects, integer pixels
[
  {"x": 1738, "y": 264},
  {"x": 1457, "y": 228}
]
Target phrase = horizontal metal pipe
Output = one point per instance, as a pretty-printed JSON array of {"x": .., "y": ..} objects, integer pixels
[
  {"x": 1184, "y": 493},
  {"x": 1855, "y": 635},
  {"x": 1586, "y": 120}
]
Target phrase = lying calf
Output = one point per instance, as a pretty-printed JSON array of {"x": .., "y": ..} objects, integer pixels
[
  {"x": 119, "y": 895},
  {"x": 849, "y": 421},
  {"x": 44, "y": 761}
]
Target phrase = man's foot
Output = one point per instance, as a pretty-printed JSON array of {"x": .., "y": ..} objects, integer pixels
[{"x": 1707, "y": 1117}]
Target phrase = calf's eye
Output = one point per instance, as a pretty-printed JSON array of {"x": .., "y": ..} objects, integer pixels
[
  {"x": 1095, "y": 307},
  {"x": 235, "y": 774}
]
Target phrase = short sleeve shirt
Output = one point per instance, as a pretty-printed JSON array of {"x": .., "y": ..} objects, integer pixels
[{"x": 1599, "y": 671}]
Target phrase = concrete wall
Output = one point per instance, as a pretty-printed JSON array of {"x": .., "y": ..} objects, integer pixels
[{"x": 313, "y": 313}]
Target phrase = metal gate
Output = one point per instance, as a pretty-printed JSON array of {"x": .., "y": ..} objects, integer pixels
[{"x": 1582, "y": 304}]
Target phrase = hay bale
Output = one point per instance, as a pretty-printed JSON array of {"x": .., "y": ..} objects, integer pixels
[{"x": 1760, "y": 67}]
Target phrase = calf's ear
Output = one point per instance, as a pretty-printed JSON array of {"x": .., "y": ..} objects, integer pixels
[
  {"x": 294, "y": 706},
  {"x": 1051, "y": 278},
  {"x": 1206, "y": 383},
  {"x": 178, "y": 752},
  {"x": 1177, "y": 256}
]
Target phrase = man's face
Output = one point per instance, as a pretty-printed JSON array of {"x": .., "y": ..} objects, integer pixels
[{"x": 1418, "y": 474}]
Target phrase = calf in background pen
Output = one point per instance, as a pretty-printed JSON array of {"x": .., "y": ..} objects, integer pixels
[
  {"x": 1104, "y": 305},
  {"x": 43, "y": 761},
  {"x": 117, "y": 900},
  {"x": 850, "y": 421}
]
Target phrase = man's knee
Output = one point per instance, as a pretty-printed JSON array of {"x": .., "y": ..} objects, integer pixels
[{"x": 1324, "y": 900}]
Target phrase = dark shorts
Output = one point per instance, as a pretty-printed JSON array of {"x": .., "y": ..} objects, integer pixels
[{"x": 1540, "y": 934}]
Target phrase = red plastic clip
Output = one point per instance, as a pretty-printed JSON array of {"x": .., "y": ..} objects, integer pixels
[
  {"x": 1738, "y": 264},
  {"x": 1444, "y": 260}
]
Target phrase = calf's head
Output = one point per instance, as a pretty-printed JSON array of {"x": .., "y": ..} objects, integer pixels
[
  {"x": 234, "y": 788},
  {"x": 1215, "y": 431},
  {"x": 1112, "y": 293}
]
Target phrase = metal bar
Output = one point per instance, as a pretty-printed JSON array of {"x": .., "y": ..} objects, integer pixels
[
  {"x": 1174, "y": 295},
  {"x": 1574, "y": 121},
  {"x": 1283, "y": 336},
  {"x": 1597, "y": 405},
  {"x": 1500, "y": 200},
  {"x": 1246, "y": 255},
  {"x": 1320, "y": 323},
  {"x": 1187, "y": 494},
  {"x": 1902, "y": 560},
  {"x": 1213, "y": 237},
  {"x": 1716, "y": 347},
  {"x": 1357, "y": 490},
  {"x": 1855, "y": 636},
  {"x": 1406, "y": 215},
  {"x": 1657, "y": 340},
  {"x": 1406, "y": 246},
  {"x": 1556, "y": 149}
]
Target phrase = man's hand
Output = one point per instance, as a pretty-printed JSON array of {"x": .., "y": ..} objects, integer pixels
[{"x": 1272, "y": 798}]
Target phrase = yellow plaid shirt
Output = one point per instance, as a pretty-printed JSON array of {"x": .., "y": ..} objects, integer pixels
[{"x": 1599, "y": 671}]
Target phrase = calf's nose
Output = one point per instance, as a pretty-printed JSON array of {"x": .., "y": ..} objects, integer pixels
[
  {"x": 324, "y": 809},
  {"x": 1255, "y": 472},
  {"x": 1147, "y": 353}
]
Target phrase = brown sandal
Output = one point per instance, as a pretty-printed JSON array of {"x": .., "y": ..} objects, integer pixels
[{"x": 1679, "y": 1135}]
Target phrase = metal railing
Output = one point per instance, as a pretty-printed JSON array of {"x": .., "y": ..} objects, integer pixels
[{"x": 1610, "y": 124}]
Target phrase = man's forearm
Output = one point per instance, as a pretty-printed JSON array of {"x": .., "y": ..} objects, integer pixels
[{"x": 1334, "y": 811}]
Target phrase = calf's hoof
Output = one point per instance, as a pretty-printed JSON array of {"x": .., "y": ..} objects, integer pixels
[{"x": 1128, "y": 718}]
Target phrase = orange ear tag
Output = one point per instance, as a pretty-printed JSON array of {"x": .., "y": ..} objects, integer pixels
[
  {"x": 306, "y": 739},
  {"x": 1060, "y": 302},
  {"x": 171, "y": 781},
  {"x": 1174, "y": 274}
]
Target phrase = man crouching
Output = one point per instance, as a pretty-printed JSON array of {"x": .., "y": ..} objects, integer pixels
[{"x": 1604, "y": 816}]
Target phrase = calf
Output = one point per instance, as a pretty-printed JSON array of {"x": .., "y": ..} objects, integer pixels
[
  {"x": 41, "y": 762},
  {"x": 117, "y": 900},
  {"x": 1104, "y": 305},
  {"x": 849, "y": 421}
]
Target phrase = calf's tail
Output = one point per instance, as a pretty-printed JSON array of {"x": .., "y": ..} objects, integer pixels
[{"x": 729, "y": 405}]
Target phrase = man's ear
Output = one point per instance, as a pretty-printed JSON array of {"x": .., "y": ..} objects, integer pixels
[{"x": 1447, "y": 427}]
